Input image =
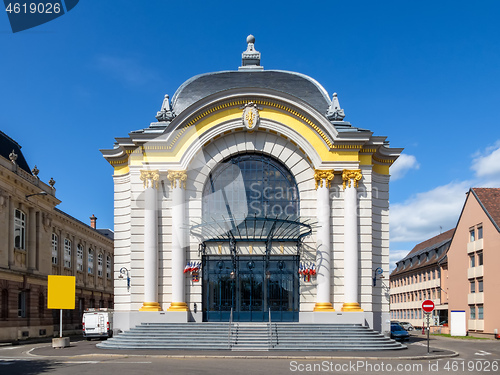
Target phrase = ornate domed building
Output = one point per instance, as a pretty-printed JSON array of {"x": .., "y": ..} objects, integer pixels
[{"x": 251, "y": 198}]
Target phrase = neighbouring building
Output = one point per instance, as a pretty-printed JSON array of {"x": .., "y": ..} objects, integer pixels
[
  {"x": 473, "y": 279},
  {"x": 250, "y": 197},
  {"x": 418, "y": 277},
  {"x": 37, "y": 240}
]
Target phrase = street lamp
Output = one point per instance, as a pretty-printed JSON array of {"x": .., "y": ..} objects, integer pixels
[
  {"x": 124, "y": 271},
  {"x": 40, "y": 193},
  {"x": 377, "y": 271}
]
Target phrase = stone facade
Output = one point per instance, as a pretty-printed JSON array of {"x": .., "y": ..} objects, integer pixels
[
  {"x": 341, "y": 173},
  {"x": 37, "y": 240}
]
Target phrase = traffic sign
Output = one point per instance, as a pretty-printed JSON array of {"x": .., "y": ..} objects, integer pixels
[{"x": 428, "y": 306}]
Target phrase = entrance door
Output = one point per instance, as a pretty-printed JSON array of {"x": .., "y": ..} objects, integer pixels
[{"x": 251, "y": 288}]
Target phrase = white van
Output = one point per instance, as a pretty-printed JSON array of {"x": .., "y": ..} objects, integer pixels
[{"x": 97, "y": 323}]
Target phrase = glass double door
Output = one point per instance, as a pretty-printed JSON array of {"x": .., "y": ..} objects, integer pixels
[{"x": 250, "y": 287}]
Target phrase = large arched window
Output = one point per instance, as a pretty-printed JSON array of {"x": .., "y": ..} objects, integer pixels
[{"x": 250, "y": 184}]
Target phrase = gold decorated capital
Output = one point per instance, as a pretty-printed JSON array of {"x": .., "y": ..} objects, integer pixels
[
  {"x": 150, "y": 177},
  {"x": 320, "y": 175},
  {"x": 354, "y": 174},
  {"x": 177, "y": 176}
]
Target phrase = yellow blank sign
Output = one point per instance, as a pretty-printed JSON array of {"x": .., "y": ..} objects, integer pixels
[{"x": 61, "y": 292}]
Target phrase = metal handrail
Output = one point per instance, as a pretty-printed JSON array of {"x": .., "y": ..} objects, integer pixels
[
  {"x": 270, "y": 331},
  {"x": 229, "y": 331}
]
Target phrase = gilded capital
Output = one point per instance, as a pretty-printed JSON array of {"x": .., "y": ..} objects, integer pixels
[
  {"x": 353, "y": 174},
  {"x": 320, "y": 175},
  {"x": 150, "y": 177},
  {"x": 174, "y": 176}
]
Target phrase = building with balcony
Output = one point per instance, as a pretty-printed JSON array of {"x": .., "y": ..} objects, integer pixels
[
  {"x": 418, "y": 277},
  {"x": 37, "y": 240},
  {"x": 473, "y": 257}
]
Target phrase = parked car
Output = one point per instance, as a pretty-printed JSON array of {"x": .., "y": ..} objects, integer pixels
[
  {"x": 398, "y": 332},
  {"x": 406, "y": 325}
]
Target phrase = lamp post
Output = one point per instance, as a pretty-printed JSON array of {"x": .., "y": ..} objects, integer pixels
[
  {"x": 124, "y": 271},
  {"x": 32, "y": 195}
]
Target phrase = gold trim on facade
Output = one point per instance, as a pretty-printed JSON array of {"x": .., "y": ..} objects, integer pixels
[
  {"x": 152, "y": 177},
  {"x": 150, "y": 306},
  {"x": 348, "y": 175},
  {"x": 320, "y": 175},
  {"x": 351, "y": 306},
  {"x": 178, "y": 306},
  {"x": 174, "y": 176},
  {"x": 323, "y": 307}
]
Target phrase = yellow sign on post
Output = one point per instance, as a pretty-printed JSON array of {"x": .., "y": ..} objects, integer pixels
[{"x": 61, "y": 294}]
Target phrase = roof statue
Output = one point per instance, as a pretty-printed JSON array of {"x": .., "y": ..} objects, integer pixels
[
  {"x": 335, "y": 113},
  {"x": 165, "y": 113}
]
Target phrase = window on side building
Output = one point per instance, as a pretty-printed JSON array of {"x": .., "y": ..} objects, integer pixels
[
  {"x": 472, "y": 312},
  {"x": 99, "y": 265},
  {"x": 480, "y": 258},
  {"x": 79, "y": 258},
  {"x": 21, "y": 304},
  {"x": 19, "y": 230},
  {"x": 472, "y": 235},
  {"x": 480, "y": 285},
  {"x": 472, "y": 260},
  {"x": 480, "y": 312},
  {"x": 90, "y": 262},
  {"x": 480, "y": 232},
  {"x": 55, "y": 240},
  {"x": 108, "y": 266},
  {"x": 67, "y": 253},
  {"x": 473, "y": 286}
]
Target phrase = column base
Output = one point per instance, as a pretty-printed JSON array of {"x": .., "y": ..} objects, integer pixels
[
  {"x": 351, "y": 306},
  {"x": 323, "y": 306},
  {"x": 178, "y": 306},
  {"x": 150, "y": 306}
]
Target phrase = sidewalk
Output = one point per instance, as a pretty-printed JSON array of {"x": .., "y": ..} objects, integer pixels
[{"x": 80, "y": 348}]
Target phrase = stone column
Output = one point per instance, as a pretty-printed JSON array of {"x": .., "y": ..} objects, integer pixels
[
  {"x": 31, "y": 248},
  {"x": 323, "y": 180},
  {"x": 350, "y": 180},
  {"x": 150, "y": 179},
  {"x": 178, "y": 188}
]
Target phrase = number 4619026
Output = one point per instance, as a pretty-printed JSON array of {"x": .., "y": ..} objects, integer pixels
[{"x": 33, "y": 8}]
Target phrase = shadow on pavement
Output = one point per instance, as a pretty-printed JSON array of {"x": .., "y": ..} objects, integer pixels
[{"x": 31, "y": 367}]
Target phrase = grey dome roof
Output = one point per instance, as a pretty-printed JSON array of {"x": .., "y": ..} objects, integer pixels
[{"x": 296, "y": 84}]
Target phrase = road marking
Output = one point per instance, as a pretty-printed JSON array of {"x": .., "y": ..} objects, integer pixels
[
  {"x": 109, "y": 361},
  {"x": 482, "y": 352}
]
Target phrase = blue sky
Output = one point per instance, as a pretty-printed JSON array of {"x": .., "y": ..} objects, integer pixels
[{"x": 425, "y": 74}]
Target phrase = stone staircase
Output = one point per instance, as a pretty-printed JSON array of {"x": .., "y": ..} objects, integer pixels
[{"x": 251, "y": 337}]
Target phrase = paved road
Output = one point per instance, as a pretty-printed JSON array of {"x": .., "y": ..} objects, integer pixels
[{"x": 475, "y": 357}]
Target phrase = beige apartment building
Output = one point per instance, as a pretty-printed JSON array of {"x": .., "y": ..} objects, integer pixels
[
  {"x": 473, "y": 259},
  {"x": 456, "y": 269},
  {"x": 416, "y": 278},
  {"x": 37, "y": 240}
]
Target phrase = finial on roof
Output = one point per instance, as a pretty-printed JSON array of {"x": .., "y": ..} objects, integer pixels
[
  {"x": 13, "y": 157},
  {"x": 250, "y": 59},
  {"x": 335, "y": 113},
  {"x": 165, "y": 113}
]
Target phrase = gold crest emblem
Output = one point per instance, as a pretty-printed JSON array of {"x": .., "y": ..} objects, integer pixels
[{"x": 251, "y": 116}]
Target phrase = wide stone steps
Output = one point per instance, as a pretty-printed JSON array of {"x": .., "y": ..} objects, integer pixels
[{"x": 250, "y": 337}]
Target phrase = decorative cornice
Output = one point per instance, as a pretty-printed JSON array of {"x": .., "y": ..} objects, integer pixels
[
  {"x": 150, "y": 176},
  {"x": 173, "y": 176},
  {"x": 320, "y": 175},
  {"x": 348, "y": 175}
]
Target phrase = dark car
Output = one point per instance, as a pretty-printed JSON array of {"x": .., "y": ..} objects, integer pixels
[{"x": 398, "y": 332}]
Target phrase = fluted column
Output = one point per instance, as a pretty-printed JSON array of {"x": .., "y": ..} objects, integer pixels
[
  {"x": 350, "y": 180},
  {"x": 323, "y": 180},
  {"x": 178, "y": 188},
  {"x": 150, "y": 179}
]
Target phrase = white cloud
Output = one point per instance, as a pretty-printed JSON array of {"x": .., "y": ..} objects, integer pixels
[
  {"x": 487, "y": 164},
  {"x": 402, "y": 165},
  {"x": 421, "y": 216}
]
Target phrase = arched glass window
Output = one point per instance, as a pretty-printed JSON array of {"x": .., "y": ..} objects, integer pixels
[
  {"x": 250, "y": 184},
  {"x": 90, "y": 262},
  {"x": 19, "y": 229},
  {"x": 54, "y": 248}
]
